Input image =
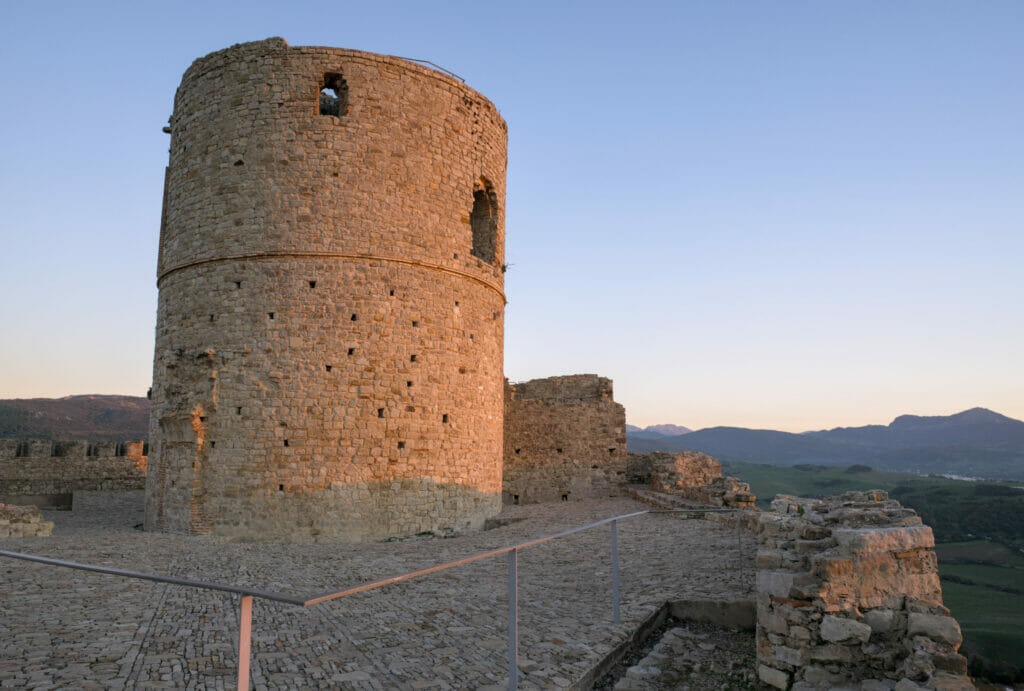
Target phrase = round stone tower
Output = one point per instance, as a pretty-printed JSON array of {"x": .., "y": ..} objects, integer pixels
[{"x": 330, "y": 326}]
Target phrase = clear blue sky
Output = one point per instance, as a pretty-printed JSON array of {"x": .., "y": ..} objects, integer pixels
[{"x": 789, "y": 215}]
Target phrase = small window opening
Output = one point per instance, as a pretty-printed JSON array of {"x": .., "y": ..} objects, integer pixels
[
  {"x": 412, "y": 358},
  {"x": 380, "y": 412},
  {"x": 312, "y": 284},
  {"x": 391, "y": 292},
  {"x": 239, "y": 162},
  {"x": 351, "y": 351},
  {"x": 280, "y": 488},
  {"x": 410, "y": 409},
  {"x": 462, "y": 370},
  {"x": 121, "y": 450},
  {"x": 270, "y": 315},
  {"x": 456, "y": 303},
  {"x": 471, "y": 337},
  {"x": 455, "y": 255},
  {"x": 213, "y": 444},
  {"x": 333, "y": 95},
  {"x": 415, "y": 323},
  {"x": 286, "y": 442},
  {"x": 145, "y": 448},
  {"x": 517, "y": 451},
  {"x": 565, "y": 496},
  {"x": 327, "y": 367},
  {"x": 444, "y": 418},
  {"x": 90, "y": 450},
  {"x": 611, "y": 451},
  {"x": 238, "y": 284},
  {"x": 238, "y": 410},
  {"x": 515, "y": 498},
  {"x": 202, "y": 419},
  {"x": 22, "y": 449},
  {"x": 211, "y": 317},
  {"x": 559, "y": 450},
  {"x": 355, "y": 317},
  {"x": 401, "y": 444},
  {"x": 484, "y": 221},
  {"x": 408, "y": 383}
]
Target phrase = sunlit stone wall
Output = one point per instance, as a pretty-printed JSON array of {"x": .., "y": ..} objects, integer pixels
[{"x": 330, "y": 325}]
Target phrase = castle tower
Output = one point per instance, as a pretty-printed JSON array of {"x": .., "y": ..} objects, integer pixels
[{"x": 330, "y": 326}]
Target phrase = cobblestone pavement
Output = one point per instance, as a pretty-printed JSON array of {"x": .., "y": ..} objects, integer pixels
[{"x": 62, "y": 628}]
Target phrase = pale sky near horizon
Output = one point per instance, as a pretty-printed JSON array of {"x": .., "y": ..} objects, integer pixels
[{"x": 787, "y": 215}]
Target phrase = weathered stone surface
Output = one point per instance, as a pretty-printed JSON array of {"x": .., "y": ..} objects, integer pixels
[
  {"x": 840, "y": 629},
  {"x": 564, "y": 439},
  {"x": 885, "y": 539},
  {"x": 773, "y": 677},
  {"x": 936, "y": 627},
  {"x": 328, "y": 360}
]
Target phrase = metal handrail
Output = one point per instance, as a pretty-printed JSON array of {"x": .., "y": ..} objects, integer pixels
[{"x": 247, "y": 594}]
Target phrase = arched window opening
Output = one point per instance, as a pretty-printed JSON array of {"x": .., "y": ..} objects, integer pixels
[
  {"x": 333, "y": 95},
  {"x": 484, "y": 222}
]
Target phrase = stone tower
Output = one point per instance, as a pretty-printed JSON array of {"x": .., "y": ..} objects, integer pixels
[{"x": 331, "y": 310}]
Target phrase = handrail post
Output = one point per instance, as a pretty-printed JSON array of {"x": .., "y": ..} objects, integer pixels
[
  {"x": 513, "y": 621},
  {"x": 244, "y": 642},
  {"x": 615, "y": 572}
]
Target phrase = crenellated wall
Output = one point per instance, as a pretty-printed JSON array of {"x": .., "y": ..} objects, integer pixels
[
  {"x": 848, "y": 596},
  {"x": 565, "y": 439},
  {"x": 43, "y": 467}
]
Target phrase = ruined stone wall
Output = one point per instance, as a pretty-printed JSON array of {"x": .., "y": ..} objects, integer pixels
[
  {"x": 38, "y": 467},
  {"x": 691, "y": 475},
  {"x": 848, "y": 596},
  {"x": 565, "y": 439},
  {"x": 23, "y": 521},
  {"x": 329, "y": 337}
]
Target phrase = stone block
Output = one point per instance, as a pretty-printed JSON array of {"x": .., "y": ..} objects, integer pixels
[
  {"x": 900, "y": 539},
  {"x": 773, "y": 677},
  {"x": 841, "y": 629},
  {"x": 880, "y": 620},
  {"x": 936, "y": 627}
]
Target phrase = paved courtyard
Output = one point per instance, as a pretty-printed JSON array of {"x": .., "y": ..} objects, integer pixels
[{"x": 63, "y": 628}]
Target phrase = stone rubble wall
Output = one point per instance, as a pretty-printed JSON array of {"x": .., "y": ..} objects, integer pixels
[
  {"x": 23, "y": 521},
  {"x": 691, "y": 475},
  {"x": 330, "y": 324},
  {"x": 79, "y": 465},
  {"x": 848, "y": 596},
  {"x": 565, "y": 439}
]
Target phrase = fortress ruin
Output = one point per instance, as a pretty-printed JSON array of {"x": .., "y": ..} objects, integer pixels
[{"x": 329, "y": 334}]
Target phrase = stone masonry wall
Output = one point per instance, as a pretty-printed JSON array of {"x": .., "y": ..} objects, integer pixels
[
  {"x": 45, "y": 467},
  {"x": 848, "y": 596},
  {"x": 330, "y": 327},
  {"x": 565, "y": 439}
]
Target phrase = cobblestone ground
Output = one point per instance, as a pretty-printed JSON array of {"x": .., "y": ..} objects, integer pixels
[{"x": 62, "y": 628}]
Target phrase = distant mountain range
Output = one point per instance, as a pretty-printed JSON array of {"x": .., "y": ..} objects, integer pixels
[
  {"x": 975, "y": 443},
  {"x": 83, "y": 418},
  {"x": 656, "y": 431}
]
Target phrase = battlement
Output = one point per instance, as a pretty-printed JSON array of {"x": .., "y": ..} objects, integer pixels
[{"x": 37, "y": 470}]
